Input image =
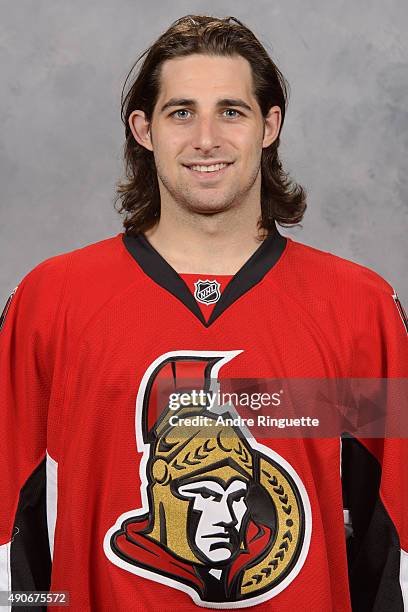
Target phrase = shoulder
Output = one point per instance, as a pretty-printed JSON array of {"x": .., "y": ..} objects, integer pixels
[
  {"x": 337, "y": 274},
  {"x": 82, "y": 269},
  {"x": 80, "y": 277},
  {"x": 89, "y": 258}
]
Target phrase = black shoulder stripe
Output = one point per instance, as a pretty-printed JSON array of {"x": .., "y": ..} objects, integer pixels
[
  {"x": 401, "y": 311},
  {"x": 6, "y": 307},
  {"x": 30, "y": 557},
  {"x": 373, "y": 549}
]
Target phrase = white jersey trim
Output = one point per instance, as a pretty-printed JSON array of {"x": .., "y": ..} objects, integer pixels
[
  {"x": 404, "y": 578},
  {"x": 52, "y": 495},
  {"x": 5, "y": 569}
]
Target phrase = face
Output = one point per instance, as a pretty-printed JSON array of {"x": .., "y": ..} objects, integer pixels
[
  {"x": 219, "y": 512},
  {"x": 206, "y": 115}
]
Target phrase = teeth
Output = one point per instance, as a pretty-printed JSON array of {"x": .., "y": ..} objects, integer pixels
[{"x": 212, "y": 168}]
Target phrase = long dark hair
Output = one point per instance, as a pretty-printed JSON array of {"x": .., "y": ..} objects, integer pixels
[{"x": 282, "y": 200}]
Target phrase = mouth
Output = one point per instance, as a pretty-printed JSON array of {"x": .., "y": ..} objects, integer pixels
[
  {"x": 224, "y": 535},
  {"x": 209, "y": 172}
]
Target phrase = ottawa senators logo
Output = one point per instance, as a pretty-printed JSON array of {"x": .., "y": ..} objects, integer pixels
[{"x": 223, "y": 518}]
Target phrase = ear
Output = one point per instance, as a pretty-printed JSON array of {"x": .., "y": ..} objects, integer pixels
[
  {"x": 272, "y": 123},
  {"x": 140, "y": 128}
]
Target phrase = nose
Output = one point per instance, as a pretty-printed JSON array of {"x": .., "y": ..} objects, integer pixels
[
  {"x": 225, "y": 515},
  {"x": 206, "y": 134}
]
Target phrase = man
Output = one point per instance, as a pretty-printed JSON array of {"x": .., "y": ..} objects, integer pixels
[{"x": 141, "y": 515}]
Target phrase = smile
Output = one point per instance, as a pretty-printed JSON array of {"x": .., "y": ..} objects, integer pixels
[{"x": 214, "y": 170}]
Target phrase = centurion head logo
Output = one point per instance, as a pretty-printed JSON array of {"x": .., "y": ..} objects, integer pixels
[{"x": 224, "y": 518}]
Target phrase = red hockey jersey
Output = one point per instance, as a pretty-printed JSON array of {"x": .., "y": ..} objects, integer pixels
[{"x": 102, "y": 496}]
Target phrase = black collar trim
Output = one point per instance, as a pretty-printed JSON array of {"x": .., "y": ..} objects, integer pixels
[{"x": 252, "y": 272}]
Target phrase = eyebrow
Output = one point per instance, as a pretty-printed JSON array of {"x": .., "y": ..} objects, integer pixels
[
  {"x": 206, "y": 490},
  {"x": 191, "y": 102}
]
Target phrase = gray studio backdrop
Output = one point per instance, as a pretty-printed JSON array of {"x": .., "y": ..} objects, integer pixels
[{"x": 345, "y": 137}]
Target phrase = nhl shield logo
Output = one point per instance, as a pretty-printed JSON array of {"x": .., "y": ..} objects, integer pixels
[{"x": 207, "y": 291}]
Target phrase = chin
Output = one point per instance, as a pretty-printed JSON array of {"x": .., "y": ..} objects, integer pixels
[
  {"x": 221, "y": 558},
  {"x": 208, "y": 207}
]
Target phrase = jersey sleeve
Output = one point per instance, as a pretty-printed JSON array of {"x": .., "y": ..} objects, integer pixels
[
  {"x": 375, "y": 470},
  {"x": 27, "y": 350}
]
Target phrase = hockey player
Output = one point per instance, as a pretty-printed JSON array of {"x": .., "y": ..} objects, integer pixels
[{"x": 106, "y": 499}]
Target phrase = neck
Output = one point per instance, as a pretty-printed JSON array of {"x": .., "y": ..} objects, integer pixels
[{"x": 217, "y": 243}]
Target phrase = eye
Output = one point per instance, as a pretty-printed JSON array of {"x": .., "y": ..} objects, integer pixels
[
  {"x": 181, "y": 110},
  {"x": 206, "y": 495},
  {"x": 233, "y": 110},
  {"x": 239, "y": 497}
]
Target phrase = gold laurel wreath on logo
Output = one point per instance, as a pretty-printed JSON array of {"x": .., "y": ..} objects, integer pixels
[{"x": 270, "y": 569}]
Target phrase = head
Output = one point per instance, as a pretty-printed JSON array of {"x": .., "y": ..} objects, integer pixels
[
  {"x": 217, "y": 510},
  {"x": 207, "y": 92},
  {"x": 199, "y": 477}
]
